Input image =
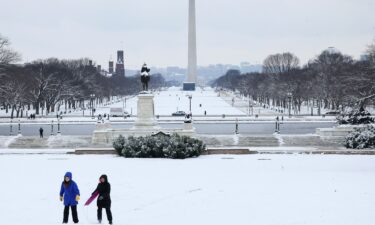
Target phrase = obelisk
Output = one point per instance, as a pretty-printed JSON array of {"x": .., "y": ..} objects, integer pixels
[{"x": 191, "y": 80}]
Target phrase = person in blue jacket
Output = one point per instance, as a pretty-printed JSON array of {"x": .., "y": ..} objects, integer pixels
[{"x": 69, "y": 192}]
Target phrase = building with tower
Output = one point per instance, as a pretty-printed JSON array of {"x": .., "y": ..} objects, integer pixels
[
  {"x": 111, "y": 68},
  {"x": 120, "y": 64}
]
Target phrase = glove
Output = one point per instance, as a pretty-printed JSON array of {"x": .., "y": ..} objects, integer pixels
[
  {"x": 78, "y": 198},
  {"x": 101, "y": 198},
  {"x": 61, "y": 198}
]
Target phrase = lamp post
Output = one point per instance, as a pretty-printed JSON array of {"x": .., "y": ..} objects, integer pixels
[
  {"x": 58, "y": 127},
  {"x": 277, "y": 128},
  {"x": 52, "y": 128},
  {"x": 11, "y": 127},
  {"x": 19, "y": 127},
  {"x": 236, "y": 128},
  {"x": 290, "y": 103},
  {"x": 249, "y": 106},
  {"x": 190, "y": 97},
  {"x": 92, "y": 97}
]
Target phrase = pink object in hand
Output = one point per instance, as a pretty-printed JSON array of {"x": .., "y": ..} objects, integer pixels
[{"x": 92, "y": 198}]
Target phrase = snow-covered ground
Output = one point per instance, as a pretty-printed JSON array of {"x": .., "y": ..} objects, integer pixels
[
  {"x": 242, "y": 103},
  {"x": 219, "y": 190},
  {"x": 172, "y": 100}
]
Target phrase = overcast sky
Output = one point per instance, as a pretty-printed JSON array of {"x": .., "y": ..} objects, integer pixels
[{"x": 155, "y": 31}]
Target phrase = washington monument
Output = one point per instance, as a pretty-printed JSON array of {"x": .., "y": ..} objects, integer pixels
[{"x": 191, "y": 80}]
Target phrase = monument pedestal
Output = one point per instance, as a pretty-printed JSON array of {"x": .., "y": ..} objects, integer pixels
[
  {"x": 145, "y": 112},
  {"x": 188, "y": 126},
  {"x": 188, "y": 86},
  {"x": 145, "y": 124}
]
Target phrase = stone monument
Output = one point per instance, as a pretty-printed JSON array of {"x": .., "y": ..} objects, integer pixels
[
  {"x": 145, "y": 104},
  {"x": 145, "y": 112},
  {"x": 145, "y": 123},
  {"x": 191, "y": 80}
]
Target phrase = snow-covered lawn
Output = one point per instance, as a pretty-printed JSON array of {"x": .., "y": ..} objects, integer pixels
[
  {"x": 174, "y": 99},
  {"x": 168, "y": 102},
  {"x": 210, "y": 190}
]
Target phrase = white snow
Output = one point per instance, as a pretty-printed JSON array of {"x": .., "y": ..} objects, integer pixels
[
  {"x": 217, "y": 190},
  {"x": 174, "y": 99}
]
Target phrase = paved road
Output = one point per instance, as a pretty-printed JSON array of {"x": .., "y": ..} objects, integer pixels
[{"x": 201, "y": 128}]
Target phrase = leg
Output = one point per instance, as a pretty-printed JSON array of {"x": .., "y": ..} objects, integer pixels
[
  {"x": 109, "y": 214},
  {"x": 75, "y": 214},
  {"x": 100, "y": 213},
  {"x": 66, "y": 214}
]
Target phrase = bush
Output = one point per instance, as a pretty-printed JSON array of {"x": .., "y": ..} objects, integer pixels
[
  {"x": 174, "y": 147},
  {"x": 361, "y": 138},
  {"x": 356, "y": 117},
  {"x": 119, "y": 144}
]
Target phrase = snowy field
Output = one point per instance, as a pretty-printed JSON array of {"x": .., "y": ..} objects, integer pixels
[
  {"x": 168, "y": 102},
  {"x": 172, "y": 100},
  {"x": 210, "y": 190}
]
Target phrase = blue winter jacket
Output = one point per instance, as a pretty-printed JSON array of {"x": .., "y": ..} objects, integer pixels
[{"x": 70, "y": 192}]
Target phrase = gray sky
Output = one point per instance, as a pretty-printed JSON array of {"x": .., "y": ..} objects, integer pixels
[{"x": 155, "y": 31}]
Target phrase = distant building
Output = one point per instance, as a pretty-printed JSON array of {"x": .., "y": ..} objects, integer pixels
[
  {"x": 246, "y": 67},
  {"x": 364, "y": 57},
  {"x": 120, "y": 67},
  {"x": 111, "y": 69}
]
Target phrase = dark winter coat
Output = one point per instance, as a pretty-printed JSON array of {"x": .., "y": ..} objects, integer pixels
[
  {"x": 69, "y": 191},
  {"x": 104, "y": 190},
  {"x": 145, "y": 69}
]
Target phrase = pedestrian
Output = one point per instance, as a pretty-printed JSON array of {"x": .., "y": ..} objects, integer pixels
[
  {"x": 236, "y": 129},
  {"x": 69, "y": 193},
  {"x": 104, "y": 198},
  {"x": 41, "y": 132},
  {"x": 205, "y": 113}
]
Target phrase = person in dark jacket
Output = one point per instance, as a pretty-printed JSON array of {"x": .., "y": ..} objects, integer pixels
[
  {"x": 104, "y": 198},
  {"x": 41, "y": 132},
  {"x": 69, "y": 193}
]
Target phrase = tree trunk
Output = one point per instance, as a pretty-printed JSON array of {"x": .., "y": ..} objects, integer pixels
[
  {"x": 12, "y": 113},
  {"x": 37, "y": 106}
]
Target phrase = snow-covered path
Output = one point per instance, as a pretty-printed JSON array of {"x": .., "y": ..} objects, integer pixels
[
  {"x": 174, "y": 99},
  {"x": 220, "y": 190}
]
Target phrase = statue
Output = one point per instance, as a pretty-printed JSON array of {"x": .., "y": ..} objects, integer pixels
[{"x": 145, "y": 77}]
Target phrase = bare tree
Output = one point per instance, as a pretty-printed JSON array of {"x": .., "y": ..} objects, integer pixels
[
  {"x": 280, "y": 63},
  {"x": 7, "y": 55},
  {"x": 371, "y": 49},
  {"x": 332, "y": 70}
]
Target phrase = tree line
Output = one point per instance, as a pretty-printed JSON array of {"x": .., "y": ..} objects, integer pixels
[
  {"x": 49, "y": 84},
  {"x": 332, "y": 80}
]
